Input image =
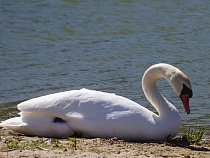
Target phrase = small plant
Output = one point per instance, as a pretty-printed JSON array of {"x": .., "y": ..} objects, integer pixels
[
  {"x": 55, "y": 143},
  {"x": 12, "y": 144},
  {"x": 194, "y": 136},
  {"x": 74, "y": 141},
  {"x": 16, "y": 143},
  {"x": 38, "y": 143}
]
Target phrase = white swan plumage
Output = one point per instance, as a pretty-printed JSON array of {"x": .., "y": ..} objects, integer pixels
[{"x": 98, "y": 114}]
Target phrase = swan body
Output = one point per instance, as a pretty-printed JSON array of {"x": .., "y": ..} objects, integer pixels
[{"x": 98, "y": 114}]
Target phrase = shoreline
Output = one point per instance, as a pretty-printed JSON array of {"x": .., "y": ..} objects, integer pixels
[{"x": 24, "y": 146}]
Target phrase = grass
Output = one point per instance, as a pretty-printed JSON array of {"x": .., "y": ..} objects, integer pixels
[
  {"x": 74, "y": 142},
  {"x": 12, "y": 144},
  {"x": 15, "y": 143},
  {"x": 193, "y": 136}
]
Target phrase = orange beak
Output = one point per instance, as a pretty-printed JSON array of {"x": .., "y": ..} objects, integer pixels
[{"x": 186, "y": 102}]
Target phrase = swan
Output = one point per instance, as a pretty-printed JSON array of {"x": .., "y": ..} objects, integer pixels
[{"x": 91, "y": 114}]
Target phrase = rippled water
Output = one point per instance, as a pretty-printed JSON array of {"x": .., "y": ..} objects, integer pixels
[{"x": 52, "y": 46}]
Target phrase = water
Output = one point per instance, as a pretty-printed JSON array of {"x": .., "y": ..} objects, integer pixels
[{"x": 52, "y": 46}]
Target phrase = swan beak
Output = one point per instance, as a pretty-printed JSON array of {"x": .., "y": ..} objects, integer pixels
[{"x": 185, "y": 101}]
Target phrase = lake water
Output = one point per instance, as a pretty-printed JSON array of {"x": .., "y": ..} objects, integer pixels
[{"x": 51, "y": 46}]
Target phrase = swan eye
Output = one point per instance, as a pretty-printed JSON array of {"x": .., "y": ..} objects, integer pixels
[{"x": 58, "y": 120}]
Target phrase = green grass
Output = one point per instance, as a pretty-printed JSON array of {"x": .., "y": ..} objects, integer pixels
[
  {"x": 74, "y": 142},
  {"x": 12, "y": 144},
  {"x": 16, "y": 143},
  {"x": 193, "y": 135},
  {"x": 38, "y": 143}
]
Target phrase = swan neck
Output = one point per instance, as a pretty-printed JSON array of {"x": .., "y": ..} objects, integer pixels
[{"x": 149, "y": 81}]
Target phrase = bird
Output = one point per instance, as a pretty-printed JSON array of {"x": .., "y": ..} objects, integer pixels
[{"x": 96, "y": 114}]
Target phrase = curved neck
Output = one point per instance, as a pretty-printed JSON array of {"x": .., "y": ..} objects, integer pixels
[{"x": 149, "y": 80}]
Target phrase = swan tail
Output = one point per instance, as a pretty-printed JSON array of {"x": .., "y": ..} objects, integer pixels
[
  {"x": 38, "y": 125},
  {"x": 14, "y": 124}
]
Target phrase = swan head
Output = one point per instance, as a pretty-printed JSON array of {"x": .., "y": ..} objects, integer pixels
[
  {"x": 177, "y": 79},
  {"x": 182, "y": 86}
]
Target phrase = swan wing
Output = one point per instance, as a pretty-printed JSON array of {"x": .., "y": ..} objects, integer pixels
[{"x": 79, "y": 104}]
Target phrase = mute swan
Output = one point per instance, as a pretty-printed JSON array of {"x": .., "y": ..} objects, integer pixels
[{"x": 99, "y": 114}]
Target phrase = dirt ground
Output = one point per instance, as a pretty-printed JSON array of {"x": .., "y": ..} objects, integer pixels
[{"x": 15, "y": 146}]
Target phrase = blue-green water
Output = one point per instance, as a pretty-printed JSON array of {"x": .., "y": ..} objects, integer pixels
[{"x": 52, "y": 46}]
